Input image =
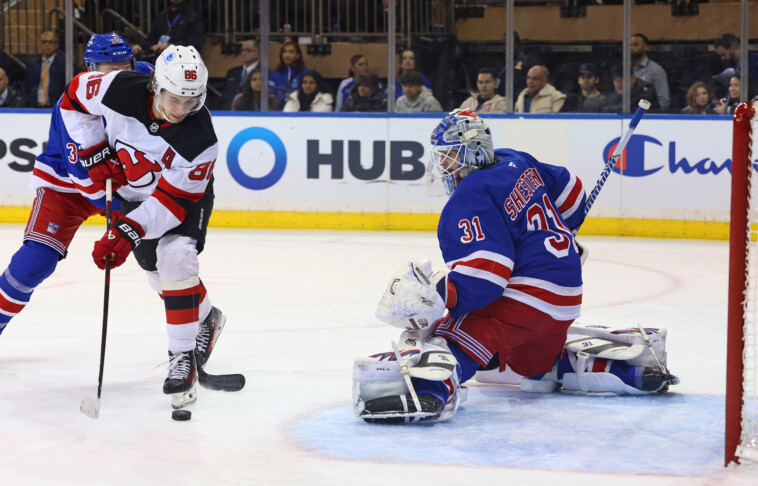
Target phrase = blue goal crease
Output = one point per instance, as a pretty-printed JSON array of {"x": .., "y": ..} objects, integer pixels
[{"x": 667, "y": 434}]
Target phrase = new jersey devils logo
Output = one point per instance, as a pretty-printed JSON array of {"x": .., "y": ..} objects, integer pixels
[{"x": 139, "y": 169}]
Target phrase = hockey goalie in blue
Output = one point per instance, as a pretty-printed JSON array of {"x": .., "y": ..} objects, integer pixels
[{"x": 504, "y": 310}]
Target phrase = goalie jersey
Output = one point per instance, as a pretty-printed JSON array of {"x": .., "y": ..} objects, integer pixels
[
  {"x": 506, "y": 233},
  {"x": 168, "y": 166}
]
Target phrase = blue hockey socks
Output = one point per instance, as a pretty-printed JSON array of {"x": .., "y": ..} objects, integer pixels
[{"x": 29, "y": 267}]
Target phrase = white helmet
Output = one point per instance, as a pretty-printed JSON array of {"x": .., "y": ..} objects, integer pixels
[{"x": 180, "y": 70}]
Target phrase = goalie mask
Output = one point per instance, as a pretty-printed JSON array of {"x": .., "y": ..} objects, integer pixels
[
  {"x": 179, "y": 71},
  {"x": 460, "y": 144}
]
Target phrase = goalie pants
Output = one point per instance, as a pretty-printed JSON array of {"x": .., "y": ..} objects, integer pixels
[
  {"x": 524, "y": 338},
  {"x": 173, "y": 271},
  {"x": 54, "y": 220}
]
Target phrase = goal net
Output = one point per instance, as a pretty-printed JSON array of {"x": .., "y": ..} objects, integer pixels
[{"x": 741, "y": 439}]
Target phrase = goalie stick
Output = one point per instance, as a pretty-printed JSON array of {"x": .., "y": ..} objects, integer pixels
[{"x": 641, "y": 109}]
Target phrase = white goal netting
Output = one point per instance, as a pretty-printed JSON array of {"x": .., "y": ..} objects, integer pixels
[{"x": 747, "y": 447}]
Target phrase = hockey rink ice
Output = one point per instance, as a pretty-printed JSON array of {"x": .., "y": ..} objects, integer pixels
[{"x": 300, "y": 307}]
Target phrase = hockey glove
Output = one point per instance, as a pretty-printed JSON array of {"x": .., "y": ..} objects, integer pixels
[
  {"x": 410, "y": 300},
  {"x": 102, "y": 163},
  {"x": 118, "y": 242}
]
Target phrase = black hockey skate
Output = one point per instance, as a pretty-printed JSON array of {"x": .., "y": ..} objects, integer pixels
[
  {"x": 182, "y": 376},
  {"x": 210, "y": 329},
  {"x": 655, "y": 380},
  {"x": 398, "y": 409}
]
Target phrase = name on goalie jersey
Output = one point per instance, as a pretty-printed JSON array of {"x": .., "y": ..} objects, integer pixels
[{"x": 526, "y": 185}]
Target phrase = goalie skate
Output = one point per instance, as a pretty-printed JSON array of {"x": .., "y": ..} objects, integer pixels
[{"x": 181, "y": 379}]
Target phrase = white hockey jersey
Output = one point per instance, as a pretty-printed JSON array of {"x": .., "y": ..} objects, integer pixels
[{"x": 168, "y": 166}]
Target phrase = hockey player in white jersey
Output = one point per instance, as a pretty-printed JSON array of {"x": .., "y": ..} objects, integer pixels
[
  {"x": 66, "y": 196},
  {"x": 512, "y": 292},
  {"x": 159, "y": 140}
]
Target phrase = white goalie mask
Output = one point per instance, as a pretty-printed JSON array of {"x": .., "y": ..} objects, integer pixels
[
  {"x": 460, "y": 144},
  {"x": 179, "y": 70}
]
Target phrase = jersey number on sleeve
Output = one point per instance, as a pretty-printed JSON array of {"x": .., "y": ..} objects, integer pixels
[
  {"x": 542, "y": 217},
  {"x": 93, "y": 86},
  {"x": 472, "y": 230},
  {"x": 202, "y": 171}
]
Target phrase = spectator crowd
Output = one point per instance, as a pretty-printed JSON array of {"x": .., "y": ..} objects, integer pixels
[{"x": 293, "y": 87}]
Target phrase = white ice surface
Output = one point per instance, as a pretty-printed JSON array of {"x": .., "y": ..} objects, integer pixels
[{"x": 300, "y": 307}]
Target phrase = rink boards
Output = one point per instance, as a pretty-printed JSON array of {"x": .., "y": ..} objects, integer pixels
[{"x": 367, "y": 171}]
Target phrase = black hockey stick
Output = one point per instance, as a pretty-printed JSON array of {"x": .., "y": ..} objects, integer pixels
[
  {"x": 228, "y": 383},
  {"x": 91, "y": 406}
]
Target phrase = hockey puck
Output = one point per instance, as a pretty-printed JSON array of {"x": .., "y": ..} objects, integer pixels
[{"x": 181, "y": 415}]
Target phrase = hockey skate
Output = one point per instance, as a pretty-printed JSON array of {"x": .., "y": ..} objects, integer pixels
[
  {"x": 656, "y": 380},
  {"x": 398, "y": 409},
  {"x": 182, "y": 376},
  {"x": 210, "y": 329}
]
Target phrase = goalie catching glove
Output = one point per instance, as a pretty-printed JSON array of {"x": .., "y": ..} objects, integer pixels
[
  {"x": 411, "y": 300},
  {"x": 118, "y": 242}
]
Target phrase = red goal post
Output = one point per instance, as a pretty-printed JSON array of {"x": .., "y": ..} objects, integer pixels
[{"x": 741, "y": 431}]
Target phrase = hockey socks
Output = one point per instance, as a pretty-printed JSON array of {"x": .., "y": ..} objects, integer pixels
[
  {"x": 182, "y": 300},
  {"x": 29, "y": 267}
]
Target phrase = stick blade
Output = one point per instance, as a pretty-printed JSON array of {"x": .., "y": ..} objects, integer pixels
[
  {"x": 90, "y": 407},
  {"x": 228, "y": 383}
]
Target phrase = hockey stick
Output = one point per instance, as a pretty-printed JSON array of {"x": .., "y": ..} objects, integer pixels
[
  {"x": 228, "y": 383},
  {"x": 91, "y": 406},
  {"x": 641, "y": 109}
]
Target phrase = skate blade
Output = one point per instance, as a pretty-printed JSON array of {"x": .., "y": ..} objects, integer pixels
[
  {"x": 184, "y": 399},
  {"x": 90, "y": 407}
]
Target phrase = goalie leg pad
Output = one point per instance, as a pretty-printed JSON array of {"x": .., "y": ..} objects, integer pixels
[
  {"x": 436, "y": 362},
  {"x": 374, "y": 378}
]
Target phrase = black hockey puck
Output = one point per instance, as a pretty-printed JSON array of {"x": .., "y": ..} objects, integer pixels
[{"x": 181, "y": 415}]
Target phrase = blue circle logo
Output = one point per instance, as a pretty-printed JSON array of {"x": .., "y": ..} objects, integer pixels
[{"x": 280, "y": 158}]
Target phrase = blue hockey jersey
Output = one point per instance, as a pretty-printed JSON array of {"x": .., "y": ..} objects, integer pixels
[
  {"x": 58, "y": 167},
  {"x": 506, "y": 232}
]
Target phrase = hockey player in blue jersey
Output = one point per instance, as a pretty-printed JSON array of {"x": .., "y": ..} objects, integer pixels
[
  {"x": 512, "y": 291},
  {"x": 66, "y": 194}
]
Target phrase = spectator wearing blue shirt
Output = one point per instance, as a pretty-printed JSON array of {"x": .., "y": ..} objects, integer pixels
[
  {"x": 285, "y": 78},
  {"x": 358, "y": 65}
]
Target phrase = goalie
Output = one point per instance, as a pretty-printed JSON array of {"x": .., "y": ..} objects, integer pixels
[{"x": 513, "y": 290}]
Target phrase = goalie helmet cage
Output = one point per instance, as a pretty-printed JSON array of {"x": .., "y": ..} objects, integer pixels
[{"x": 741, "y": 425}]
